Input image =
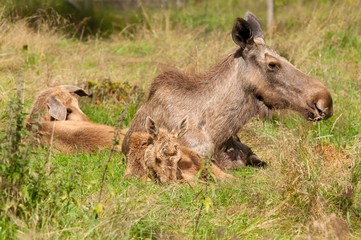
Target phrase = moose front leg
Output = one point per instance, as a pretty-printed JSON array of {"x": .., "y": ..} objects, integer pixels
[{"x": 233, "y": 154}]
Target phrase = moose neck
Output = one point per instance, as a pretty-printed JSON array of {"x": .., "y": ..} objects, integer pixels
[{"x": 231, "y": 103}]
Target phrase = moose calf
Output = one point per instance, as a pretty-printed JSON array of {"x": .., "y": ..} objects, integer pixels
[
  {"x": 157, "y": 155},
  {"x": 59, "y": 121},
  {"x": 57, "y": 104}
]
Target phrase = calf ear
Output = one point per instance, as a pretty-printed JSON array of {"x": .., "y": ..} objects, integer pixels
[
  {"x": 77, "y": 90},
  {"x": 183, "y": 127},
  {"x": 242, "y": 33},
  {"x": 151, "y": 127},
  {"x": 56, "y": 109}
]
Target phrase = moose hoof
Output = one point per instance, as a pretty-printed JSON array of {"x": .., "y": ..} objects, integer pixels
[{"x": 254, "y": 161}]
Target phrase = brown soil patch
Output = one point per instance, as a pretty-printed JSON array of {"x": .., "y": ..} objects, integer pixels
[{"x": 332, "y": 156}]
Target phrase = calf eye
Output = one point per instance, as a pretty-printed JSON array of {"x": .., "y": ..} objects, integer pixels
[{"x": 68, "y": 112}]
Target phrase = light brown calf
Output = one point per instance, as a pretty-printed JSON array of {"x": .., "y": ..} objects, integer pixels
[
  {"x": 57, "y": 104},
  {"x": 157, "y": 155},
  {"x": 60, "y": 123},
  {"x": 72, "y": 136}
]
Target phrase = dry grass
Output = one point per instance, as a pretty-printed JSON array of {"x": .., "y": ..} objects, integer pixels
[{"x": 308, "y": 191}]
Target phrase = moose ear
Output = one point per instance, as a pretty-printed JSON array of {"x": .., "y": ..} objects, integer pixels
[
  {"x": 151, "y": 127},
  {"x": 56, "y": 109},
  {"x": 255, "y": 25},
  {"x": 75, "y": 89},
  {"x": 183, "y": 127},
  {"x": 242, "y": 32}
]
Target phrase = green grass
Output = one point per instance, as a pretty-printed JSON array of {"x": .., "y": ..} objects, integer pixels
[{"x": 302, "y": 193}]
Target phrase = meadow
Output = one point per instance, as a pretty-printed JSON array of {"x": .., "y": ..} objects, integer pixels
[{"x": 311, "y": 188}]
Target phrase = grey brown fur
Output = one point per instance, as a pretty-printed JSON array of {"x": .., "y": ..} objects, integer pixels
[{"x": 219, "y": 102}]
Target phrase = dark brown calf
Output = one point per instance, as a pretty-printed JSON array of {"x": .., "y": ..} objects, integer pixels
[
  {"x": 219, "y": 102},
  {"x": 156, "y": 154}
]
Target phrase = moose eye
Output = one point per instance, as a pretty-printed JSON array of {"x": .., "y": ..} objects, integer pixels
[{"x": 272, "y": 66}]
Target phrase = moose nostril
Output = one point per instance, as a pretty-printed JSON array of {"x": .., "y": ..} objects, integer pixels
[
  {"x": 320, "y": 111},
  {"x": 324, "y": 106}
]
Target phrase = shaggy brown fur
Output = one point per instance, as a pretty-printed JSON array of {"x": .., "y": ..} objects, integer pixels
[
  {"x": 139, "y": 143},
  {"x": 155, "y": 154},
  {"x": 191, "y": 163},
  {"x": 248, "y": 82}
]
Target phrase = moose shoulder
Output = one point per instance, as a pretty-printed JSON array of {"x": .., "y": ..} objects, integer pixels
[{"x": 252, "y": 79}]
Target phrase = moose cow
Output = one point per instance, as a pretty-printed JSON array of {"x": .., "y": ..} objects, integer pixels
[
  {"x": 56, "y": 116},
  {"x": 251, "y": 79}
]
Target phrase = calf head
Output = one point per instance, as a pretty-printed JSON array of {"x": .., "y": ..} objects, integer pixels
[
  {"x": 164, "y": 154},
  {"x": 58, "y": 104},
  {"x": 272, "y": 80}
]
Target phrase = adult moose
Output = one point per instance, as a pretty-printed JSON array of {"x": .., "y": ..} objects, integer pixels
[{"x": 253, "y": 79}]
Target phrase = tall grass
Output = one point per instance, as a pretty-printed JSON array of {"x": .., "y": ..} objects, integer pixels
[{"x": 311, "y": 188}]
